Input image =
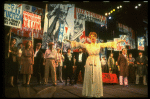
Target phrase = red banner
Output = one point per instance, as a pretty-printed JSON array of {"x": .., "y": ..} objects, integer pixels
[
  {"x": 27, "y": 32},
  {"x": 109, "y": 78}
]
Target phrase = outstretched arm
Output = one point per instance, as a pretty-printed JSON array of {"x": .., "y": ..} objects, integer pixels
[
  {"x": 75, "y": 44},
  {"x": 111, "y": 44}
]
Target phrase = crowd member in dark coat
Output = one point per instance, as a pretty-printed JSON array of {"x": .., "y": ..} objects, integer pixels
[
  {"x": 80, "y": 63},
  {"x": 68, "y": 65},
  {"x": 141, "y": 68},
  {"x": 123, "y": 65},
  {"x": 13, "y": 66},
  {"x": 38, "y": 55},
  {"x": 131, "y": 68}
]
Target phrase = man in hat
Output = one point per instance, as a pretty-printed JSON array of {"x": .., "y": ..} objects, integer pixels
[
  {"x": 49, "y": 59},
  {"x": 123, "y": 65},
  {"x": 59, "y": 62},
  {"x": 38, "y": 62},
  {"x": 141, "y": 68}
]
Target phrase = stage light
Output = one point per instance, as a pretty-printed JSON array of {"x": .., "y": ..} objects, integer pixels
[
  {"x": 117, "y": 7},
  {"x": 109, "y": 17},
  {"x": 105, "y": 1},
  {"x": 136, "y": 7},
  {"x": 120, "y": 6},
  {"x": 113, "y": 9},
  {"x": 109, "y": 13},
  {"x": 139, "y": 4},
  {"x": 105, "y": 14},
  {"x": 126, "y": 1},
  {"x": 145, "y": 1}
]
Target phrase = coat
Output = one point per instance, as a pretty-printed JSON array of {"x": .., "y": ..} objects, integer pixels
[
  {"x": 69, "y": 64},
  {"x": 83, "y": 59},
  {"x": 141, "y": 69},
  {"x": 122, "y": 62}
]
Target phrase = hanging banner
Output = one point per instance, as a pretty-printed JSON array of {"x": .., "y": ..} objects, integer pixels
[
  {"x": 109, "y": 78},
  {"x": 59, "y": 18},
  {"x": 35, "y": 10},
  {"x": 31, "y": 20},
  {"x": 119, "y": 45},
  {"x": 13, "y": 15},
  {"x": 141, "y": 42},
  {"x": 27, "y": 32}
]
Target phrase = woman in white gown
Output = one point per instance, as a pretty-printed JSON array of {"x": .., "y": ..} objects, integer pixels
[{"x": 93, "y": 84}]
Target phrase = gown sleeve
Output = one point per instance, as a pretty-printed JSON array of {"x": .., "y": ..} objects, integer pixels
[
  {"x": 75, "y": 44},
  {"x": 108, "y": 44}
]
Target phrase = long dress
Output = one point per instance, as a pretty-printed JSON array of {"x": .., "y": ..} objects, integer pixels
[{"x": 93, "y": 84}]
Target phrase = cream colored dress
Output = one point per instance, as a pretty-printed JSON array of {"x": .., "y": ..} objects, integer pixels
[{"x": 92, "y": 84}]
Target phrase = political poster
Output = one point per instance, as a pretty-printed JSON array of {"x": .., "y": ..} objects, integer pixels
[
  {"x": 31, "y": 20},
  {"x": 141, "y": 42},
  {"x": 119, "y": 45},
  {"x": 80, "y": 16},
  {"x": 27, "y": 32},
  {"x": 58, "y": 23},
  {"x": 126, "y": 38},
  {"x": 13, "y": 15},
  {"x": 35, "y": 10}
]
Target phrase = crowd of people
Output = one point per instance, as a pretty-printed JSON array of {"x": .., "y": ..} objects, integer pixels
[{"x": 27, "y": 61}]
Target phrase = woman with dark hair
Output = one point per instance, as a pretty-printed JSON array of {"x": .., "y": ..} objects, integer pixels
[
  {"x": 27, "y": 61},
  {"x": 68, "y": 65},
  {"x": 13, "y": 68}
]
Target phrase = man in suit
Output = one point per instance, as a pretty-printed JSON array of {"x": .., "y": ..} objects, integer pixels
[
  {"x": 123, "y": 64},
  {"x": 38, "y": 55},
  {"x": 80, "y": 63},
  {"x": 141, "y": 68}
]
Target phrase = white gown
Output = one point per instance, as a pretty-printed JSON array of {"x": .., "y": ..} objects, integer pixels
[{"x": 92, "y": 84}]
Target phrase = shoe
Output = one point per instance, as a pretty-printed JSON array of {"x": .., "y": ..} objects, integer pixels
[
  {"x": 27, "y": 85},
  {"x": 61, "y": 81},
  {"x": 126, "y": 86},
  {"x": 39, "y": 83}
]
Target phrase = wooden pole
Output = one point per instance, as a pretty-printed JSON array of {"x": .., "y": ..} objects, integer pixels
[{"x": 9, "y": 40}]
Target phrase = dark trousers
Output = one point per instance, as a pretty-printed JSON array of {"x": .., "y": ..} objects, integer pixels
[
  {"x": 68, "y": 74},
  {"x": 79, "y": 67},
  {"x": 37, "y": 72}
]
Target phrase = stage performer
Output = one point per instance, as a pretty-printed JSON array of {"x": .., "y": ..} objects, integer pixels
[
  {"x": 93, "y": 84},
  {"x": 123, "y": 65}
]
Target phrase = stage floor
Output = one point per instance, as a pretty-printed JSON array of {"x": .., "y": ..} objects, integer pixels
[{"x": 74, "y": 91}]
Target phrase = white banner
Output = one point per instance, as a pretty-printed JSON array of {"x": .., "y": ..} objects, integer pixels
[{"x": 13, "y": 15}]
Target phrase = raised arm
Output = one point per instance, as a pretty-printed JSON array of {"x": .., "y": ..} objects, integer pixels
[
  {"x": 110, "y": 44},
  {"x": 75, "y": 44}
]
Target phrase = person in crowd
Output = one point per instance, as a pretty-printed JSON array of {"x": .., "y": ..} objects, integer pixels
[
  {"x": 59, "y": 62},
  {"x": 93, "y": 84},
  {"x": 104, "y": 65},
  {"x": 27, "y": 61},
  {"x": 111, "y": 63},
  {"x": 13, "y": 67},
  {"x": 131, "y": 69},
  {"x": 123, "y": 65},
  {"x": 38, "y": 55},
  {"x": 68, "y": 65},
  {"x": 19, "y": 53},
  {"x": 141, "y": 68},
  {"x": 80, "y": 63},
  {"x": 49, "y": 60}
]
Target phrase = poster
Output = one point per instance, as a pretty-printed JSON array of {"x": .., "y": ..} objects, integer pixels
[
  {"x": 80, "y": 16},
  {"x": 35, "y": 10},
  {"x": 132, "y": 44},
  {"x": 27, "y": 32},
  {"x": 126, "y": 38},
  {"x": 58, "y": 23},
  {"x": 119, "y": 45},
  {"x": 13, "y": 15},
  {"x": 31, "y": 20},
  {"x": 141, "y": 42}
]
